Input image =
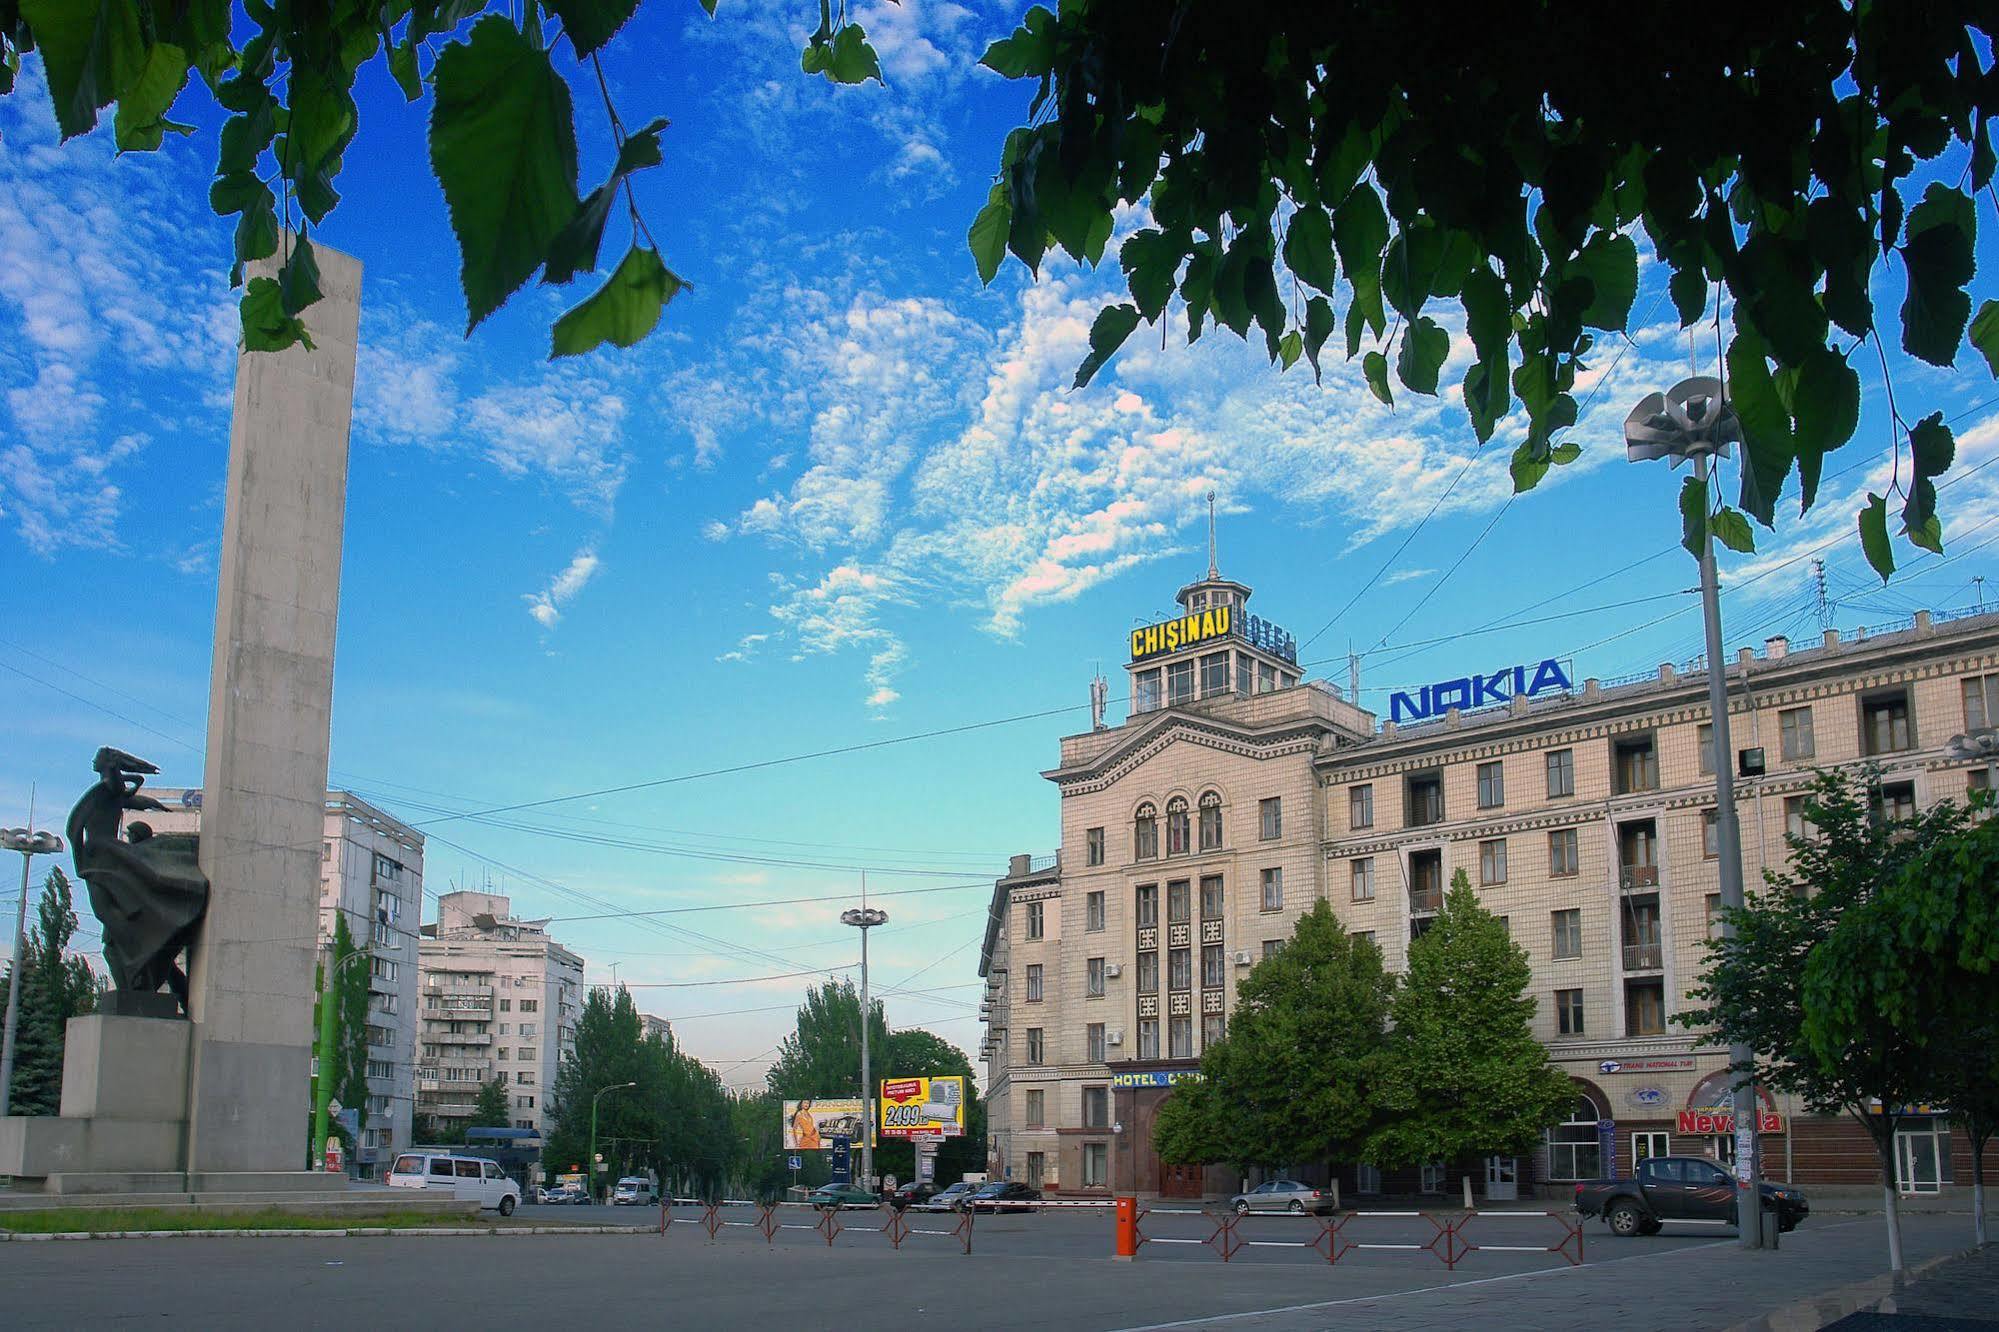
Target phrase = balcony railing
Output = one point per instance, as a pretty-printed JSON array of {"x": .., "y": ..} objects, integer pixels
[
  {"x": 458, "y": 1038},
  {"x": 1641, "y": 876},
  {"x": 1424, "y": 901},
  {"x": 1641, "y": 957}
]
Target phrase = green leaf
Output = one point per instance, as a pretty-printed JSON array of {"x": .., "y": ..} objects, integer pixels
[
  {"x": 1375, "y": 367},
  {"x": 1113, "y": 325},
  {"x": 1424, "y": 347},
  {"x": 1693, "y": 515},
  {"x": 1768, "y": 446},
  {"x": 1150, "y": 260},
  {"x": 235, "y": 191},
  {"x": 1360, "y": 230},
  {"x": 266, "y": 325},
  {"x": 1029, "y": 52},
  {"x": 1985, "y": 334},
  {"x": 141, "y": 124},
  {"x": 1688, "y": 286},
  {"x": 591, "y": 23},
  {"x": 1565, "y": 453},
  {"x": 1290, "y": 347},
  {"x": 1308, "y": 248},
  {"x": 987, "y": 238},
  {"x": 846, "y": 59},
  {"x": 709, "y": 6},
  {"x": 92, "y": 51},
  {"x": 245, "y": 136},
  {"x": 503, "y": 145},
  {"x": 1874, "y": 536},
  {"x": 403, "y": 68},
  {"x": 1733, "y": 531},
  {"x": 574, "y": 249},
  {"x": 1610, "y": 262},
  {"x": 1826, "y": 406},
  {"x": 256, "y": 232},
  {"x": 1318, "y": 327},
  {"x": 1529, "y": 464},
  {"x": 298, "y": 282},
  {"x": 623, "y": 310},
  {"x": 1932, "y": 449},
  {"x": 1409, "y": 267},
  {"x": 1938, "y": 255}
]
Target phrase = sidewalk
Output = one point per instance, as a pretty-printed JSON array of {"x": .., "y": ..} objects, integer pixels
[{"x": 1958, "y": 1292}]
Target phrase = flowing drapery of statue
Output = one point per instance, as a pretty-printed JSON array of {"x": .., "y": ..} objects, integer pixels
[{"x": 147, "y": 890}]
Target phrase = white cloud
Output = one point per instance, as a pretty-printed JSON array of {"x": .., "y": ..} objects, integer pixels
[
  {"x": 546, "y": 605},
  {"x": 1406, "y": 576}
]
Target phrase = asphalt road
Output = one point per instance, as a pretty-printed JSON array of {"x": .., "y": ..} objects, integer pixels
[{"x": 1028, "y": 1271}]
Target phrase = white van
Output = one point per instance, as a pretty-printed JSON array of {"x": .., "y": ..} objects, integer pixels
[{"x": 465, "y": 1176}]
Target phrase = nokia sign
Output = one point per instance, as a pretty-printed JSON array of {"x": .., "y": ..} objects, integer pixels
[{"x": 1477, "y": 691}]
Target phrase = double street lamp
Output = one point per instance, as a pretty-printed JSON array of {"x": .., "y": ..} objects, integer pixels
[
  {"x": 30, "y": 844},
  {"x": 864, "y": 919},
  {"x": 1693, "y": 421}
]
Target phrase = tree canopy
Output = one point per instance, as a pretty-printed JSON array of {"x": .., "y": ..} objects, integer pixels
[
  {"x": 55, "y": 987},
  {"x": 1509, "y": 160}
]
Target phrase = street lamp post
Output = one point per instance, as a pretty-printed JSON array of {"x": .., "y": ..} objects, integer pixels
[
  {"x": 30, "y": 844},
  {"x": 1694, "y": 421},
  {"x": 590, "y": 1166},
  {"x": 322, "y": 1093},
  {"x": 864, "y": 919}
]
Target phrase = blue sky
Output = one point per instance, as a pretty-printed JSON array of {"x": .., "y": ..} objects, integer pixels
[{"x": 843, "y": 496}]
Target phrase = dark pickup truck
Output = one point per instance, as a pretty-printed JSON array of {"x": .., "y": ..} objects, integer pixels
[{"x": 1679, "y": 1188}]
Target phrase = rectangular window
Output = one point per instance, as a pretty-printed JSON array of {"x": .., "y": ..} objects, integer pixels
[
  {"x": 1564, "y": 859},
  {"x": 1426, "y": 800},
  {"x": 1366, "y": 1179},
  {"x": 1145, "y": 835},
  {"x": 1360, "y": 806},
  {"x": 1034, "y": 920},
  {"x": 1430, "y": 1177},
  {"x": 1214, "y": 674},
  {"x": 527, "y": 1028},
  {"x": 1895, "y": 802},
  {"x": 1272, "y": 947},
  {"x": 1037, "y": 1048},
  {"x": 1794, "y": 818},
  {"x": 1037, "y": 1169},
  {"x": 1636, "y": 764},
  {"x": 1981, "y": 701},
  {"x": 1368, "y": 935},
  {"x": 1179, "y": 902},
  {"x": 1648, "y": 1144},
  {"x": 1245, "y": 673},
  {"x": 530, "y": 1005},
  {"x": 1212, "y": 1028},
  {"x": 1270, "y": 818},
  {"x": 1568, "y": 927},
  {"x": 1213, "y": 976},
  {"x": 1266, "y": 678},
  {"x": 1363, "y": 879},
  {"x": 1145, "y": 691},
  {"x": 1211, "y": 897},
  {"x": 1034, "y": 982},
  {"x": 1711, "y": 834},
  {"x": 1561, "y": 773},
  {"x": 1714, "y": 915},
  {"x": 1644, "y": 1008},
  {"x": 1491, "y": 785},
  {"x": 1096, "y": 1165},
  {"x": 1884, "y": 723},
  {"x": 1148, "y": 905},
  {"x": 506, "y": 1005},
  {"x": 1211, "y": 822},
  {"x": 1273, "y": 888},
  {"x": 1148, "y": 973},
  {"x": 1093, "y": 846},
  {"x": 525, "y": 1053},
  {"x": 1179, "y": 683},
  {"x": 1037, "y": 1107},
  {"x": 1093, "y": 911},
  {"x": 1704, "y": 738},
  {"x": 1180, "y": 968},
  {"x": 1492, "y": 862},
  {"x": 1094, "y": 978},
  {"x": 1569, "y": 1012},
  {"x": 524, "y": 1079},
  {"x": 1096, "y": 1107},
  {"x": 1148, "y": 1038},
  {"x": 1093, "y": 1042},
  {"x": 1794, "y": 726},
  {"x": 1180, "y": 1038}
]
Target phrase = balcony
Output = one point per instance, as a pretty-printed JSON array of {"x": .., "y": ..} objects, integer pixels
[
  {"x": 1641, "y": 957},
  {"x": 458, "y": 1038},
  {"x": 1639, "y": 876},
  {"x": 1425, "y": 901}
]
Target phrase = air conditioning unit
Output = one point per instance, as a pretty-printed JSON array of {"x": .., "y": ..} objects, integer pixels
[
  {"x": 1114, "y": 1036},
  {"x": 1242, "y": 957},
  {"x": 1113, "y": 970}
]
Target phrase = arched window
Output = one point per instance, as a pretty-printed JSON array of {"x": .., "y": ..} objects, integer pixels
[
  {"x": 1145, "y": 833},
  {"x": 1574, "y": 1151},
  {"x": 1211, "y": 821},
  {"x": 1176, "y": 826}
]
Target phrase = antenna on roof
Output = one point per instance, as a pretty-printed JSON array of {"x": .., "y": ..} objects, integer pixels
[
  {"x": 1214, "y": 571},
  {"x": 1824, "y": 606}
]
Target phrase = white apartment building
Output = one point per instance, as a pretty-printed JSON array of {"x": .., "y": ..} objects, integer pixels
[
  {"x": 371, "y": 870},
  {"x": 500, "y": 999}
]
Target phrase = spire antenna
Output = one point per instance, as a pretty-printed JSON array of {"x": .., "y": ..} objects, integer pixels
[{"x": 1214, "y": 571}]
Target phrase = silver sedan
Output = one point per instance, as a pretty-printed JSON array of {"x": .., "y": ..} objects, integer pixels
[{"x": 1283, "y": 1195}]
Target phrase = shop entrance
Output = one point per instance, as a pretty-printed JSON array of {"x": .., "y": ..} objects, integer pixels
[
  {"x": 1502, "y": 1178},
  {"x": 1179, "y": 1181},
  {"x": 1918, "y": 1160}
]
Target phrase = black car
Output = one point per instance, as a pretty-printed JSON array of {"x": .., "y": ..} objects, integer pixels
[
  {"x": 911, "y": 1195},
  {"x": 1002, "y": 1196},
  {"x": 1680, "y": 1188}
]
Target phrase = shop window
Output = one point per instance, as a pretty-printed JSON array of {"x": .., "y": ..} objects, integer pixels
[
  {"x": 1646, "y": 1145},
  {"x": 1574, "y": 1152}
]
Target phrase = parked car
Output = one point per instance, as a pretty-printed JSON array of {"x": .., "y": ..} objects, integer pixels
[
  {"x": 1003, "y": 1195},
  {"x": 909, "y": 1195},
  {"x": 1680, "y": 1188},
  {"x": 565, "y": 1195},
  {"x": 1283, "y": 1195},
  {"x": 830, "y": 1197},
  {"x": 634, "y": 1191},
  {"x": 947, "y": 1198},
  {"x": 463, "y": 1176}
]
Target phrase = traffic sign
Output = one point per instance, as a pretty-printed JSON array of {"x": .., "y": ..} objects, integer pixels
[{"x": 797, "y": 1163}]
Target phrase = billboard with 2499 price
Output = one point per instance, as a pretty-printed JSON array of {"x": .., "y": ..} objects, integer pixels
[{"x": 923, "y": 1106}]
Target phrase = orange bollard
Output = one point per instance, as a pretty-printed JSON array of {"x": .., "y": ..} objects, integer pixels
[{"x": 1127, "y": 1230}]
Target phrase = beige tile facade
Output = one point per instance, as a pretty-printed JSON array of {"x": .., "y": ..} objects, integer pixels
[{"x": 1639, "y": 878}]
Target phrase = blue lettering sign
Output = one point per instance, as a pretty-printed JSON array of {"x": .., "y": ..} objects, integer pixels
[{"x": 1477, "y": 691}]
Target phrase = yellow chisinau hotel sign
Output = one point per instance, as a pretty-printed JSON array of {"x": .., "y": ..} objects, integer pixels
[{"x": 1188, "y": 630}]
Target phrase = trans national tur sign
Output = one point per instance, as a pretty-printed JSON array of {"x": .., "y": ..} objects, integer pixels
[
  {"x": 1476, "y": 691},
  {"x": 923, "y": 1105}
]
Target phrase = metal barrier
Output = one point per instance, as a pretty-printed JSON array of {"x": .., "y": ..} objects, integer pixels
[
  {"x": 896, "y": 1226},
  {"x": 1338, "y": 1235}
]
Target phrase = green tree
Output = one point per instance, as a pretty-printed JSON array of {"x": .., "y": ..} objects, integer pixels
[
  {"x": 1906, "y": 990},
  {"x": 1295, "y": 155},
  {"x": 822, "y": 1056},
  {"x": 1462, "y": 1074},
  {"x": 350, "y": 1034},
  {"x": 55, "y": 987},
  {"x": 916, "y": 1053},
  {"x": 502, "y": 130},
  {"x": 1752, "y": 988},
  {"x": 493, "y": 1108},
  {"x": 1293, "y": 1081}
]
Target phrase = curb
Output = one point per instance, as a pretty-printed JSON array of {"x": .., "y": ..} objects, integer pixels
[
  {"x": 350, "y": 1232},
  {"x": 1809, "y": 1315}
]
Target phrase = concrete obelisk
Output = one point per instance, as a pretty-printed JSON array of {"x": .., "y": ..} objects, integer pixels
[{"x": 270, "y": 704}]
